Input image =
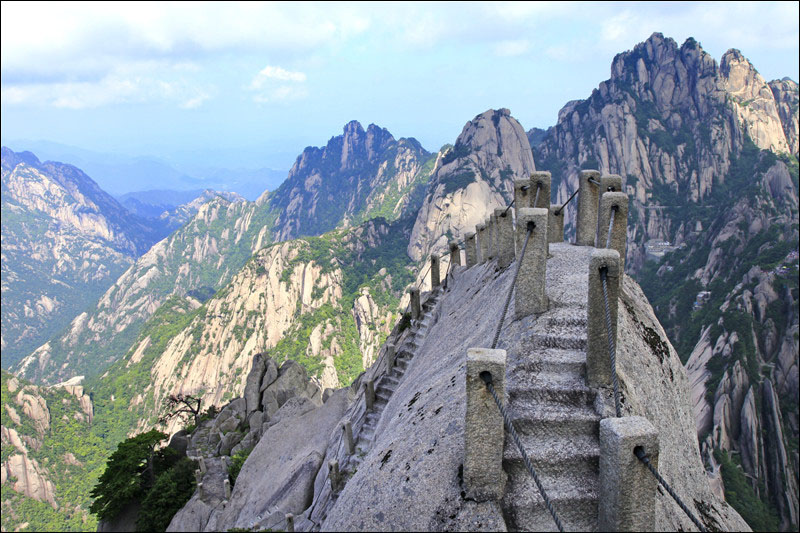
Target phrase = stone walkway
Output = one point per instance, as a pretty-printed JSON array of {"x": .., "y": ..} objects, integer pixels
[{"x": 553, "y": 413}]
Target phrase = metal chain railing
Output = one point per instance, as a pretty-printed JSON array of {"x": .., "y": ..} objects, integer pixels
[
  {"x": 558, "y": 211},
  {"x": 610, "y": 226},
  {"x": 487, "y": 379},
  {"x": 612, "y": 350},
  {"x": 642, "y": 456},
  {"x": 538, "y": 189},
  {"x": 530, "y": 227}
]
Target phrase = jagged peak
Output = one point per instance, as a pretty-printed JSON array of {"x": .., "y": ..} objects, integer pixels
[{"x": 11, "y": 158}]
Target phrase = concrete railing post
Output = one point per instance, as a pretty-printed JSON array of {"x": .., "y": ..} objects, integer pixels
[
  {"x": 471, "y": 249},
  {"x": 455, "y": 255},
  {"x": 555, "y": 224},
  {"x": 490, "y": 237},
  {"x": 495, "y": 234},
  {"x": 200, "y": 492},
  {"x": 484, "y": 478},
  {"x": 505, "y": 237},
  {"x": 618, "y": 201},
  {"x": 202, "y": 462},
  {"x": 390, "y": 356},
  {"x": 627, "y": 488},
  {"x": 598, "y": 358},
  {"x": 483, "y": 243},
  {"x": 350, "y": 444},
  {"x": 529, "y": 292},
  {"x": 198, "y": 477},
  {"x": 540, "y": 180},
  {"x": 586, "y": 223},
  {"x": 522, "y": 193},
  {"x": 608, "y": 183},
  {"x": 227, "y": 484},
  {"x": 289, "y": 523},
  {"x": 334, "y": 476},
  {"x": 369, "y": 394},
  {"x": 435, "y": 279},
  {"x": 415, "y": 309}
]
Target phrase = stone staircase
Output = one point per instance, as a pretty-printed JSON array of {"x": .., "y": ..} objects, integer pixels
[
  {"x": 553, "y": 413},
  {"x": 388, "y": 382}
]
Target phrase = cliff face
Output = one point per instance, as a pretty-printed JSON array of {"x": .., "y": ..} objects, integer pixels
[
  {"x": 202, "y": 255},
  {"x": 409, "y": 451},
  {"x": 703, "y": 152},
  {"x": 64, "y": 242},
  {"x": 470, "y": 180}
]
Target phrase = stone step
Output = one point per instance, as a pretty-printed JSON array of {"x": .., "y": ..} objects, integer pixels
[
  {"x": 555, "y": 453},
  {"x": 543, "y": 381},
  {"x": 575, "y": 342},
  {"x": 543, "y": 389},
  {"x": 390, "y": 379},
  {"x": 522, "y": 512},
  {"x": 554, "y": 419},
  {"x": 384, "y": 392},
  {"x": 572, "y": 321},
  {"x": 552, "y": 360}
]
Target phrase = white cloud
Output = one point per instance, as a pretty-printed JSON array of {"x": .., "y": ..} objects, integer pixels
[
  {"x": 276, "y": 84},
  {"x": 275, "y": 73}
]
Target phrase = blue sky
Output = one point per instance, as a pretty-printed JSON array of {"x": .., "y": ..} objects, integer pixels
[{"x": 252, "y": 84}]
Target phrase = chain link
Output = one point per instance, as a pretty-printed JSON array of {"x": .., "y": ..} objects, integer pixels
[
  {"x": 513, "y": 283},
  {"x": 611, "y": 348}
]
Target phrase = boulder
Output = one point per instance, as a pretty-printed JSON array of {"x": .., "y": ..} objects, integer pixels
[
  {"x": 180, "y": 442},
  {"x": 293, "y": 408},
  {"x": 252, "y": 386},
  {"x": 229, "y": 440}
]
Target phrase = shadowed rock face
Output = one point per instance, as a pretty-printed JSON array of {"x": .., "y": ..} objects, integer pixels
[
  {"x": 471, "y": 180},
  {"x": 406, "y": 475}
]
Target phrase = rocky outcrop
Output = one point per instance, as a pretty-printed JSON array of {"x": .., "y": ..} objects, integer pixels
[
  {"x": 25, "y": 476},
  {"x": 275, "y": 427},
  {"x": 470, "y": 180},
  {"x": 754, "y": 102},
  {"x": 787, "y": 97},
  {"x": 74, "y": 388}
]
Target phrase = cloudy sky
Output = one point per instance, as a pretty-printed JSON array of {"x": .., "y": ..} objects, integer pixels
[{"x": 264, "y": 80}]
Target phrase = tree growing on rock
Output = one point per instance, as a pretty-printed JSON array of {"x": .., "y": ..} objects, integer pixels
[{"x": 182, "y": 406}]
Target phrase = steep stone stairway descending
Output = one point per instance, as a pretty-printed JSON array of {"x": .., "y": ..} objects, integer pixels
[
  {"x": 216, "y": 467},
  {"x": 389, "y": 382},
  {"x": 553, "y": 413}
]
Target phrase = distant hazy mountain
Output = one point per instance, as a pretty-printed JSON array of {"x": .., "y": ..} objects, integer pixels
[{"x": 121, "y": 174}]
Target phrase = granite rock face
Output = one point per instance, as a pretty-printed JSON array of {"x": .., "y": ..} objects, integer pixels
[{"x": 470, "y": 181}]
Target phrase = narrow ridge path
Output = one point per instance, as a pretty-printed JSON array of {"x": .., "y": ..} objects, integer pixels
[{"x": 388, "y": 382}]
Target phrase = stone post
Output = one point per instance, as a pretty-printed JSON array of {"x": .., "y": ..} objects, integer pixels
[
  {"x": 608, "y": 183},
  {"x": 455, "y": 255},
  {"x": 490, "y": 237},
  {"x": 471, "y": 249},
  {"x": 542, "y": 181},
  {"x": 369, "y": 394},
  {"x": 505, "y": 237},
  {"x": 522, "y": 193},
  {"x": 619, "y": 232},
  {"x": 529, "y": 292},
  {"x": 483, "y": 243},
  {"x": 415, "y": 309},
  {"x": 627, "y": 488},
  {"x": 200, "y": 493},
  {"x": 435, "y": 262},
  {"x": 289, "y": 523},
  {"x": 555, "y": 224},
  {"x": 334, "y": 475},
  {"x": 227, "y": 484},
  {"x": 202, "y": 462},
  {"x": 586, "y": 223},
  {"x": 484, "y": 478},
  {"x": 598, "y": 358},
  {"x": 198, "y": 477},
  {"x": 390, "y": 356},
  {"x": 350, "y": 444}
]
